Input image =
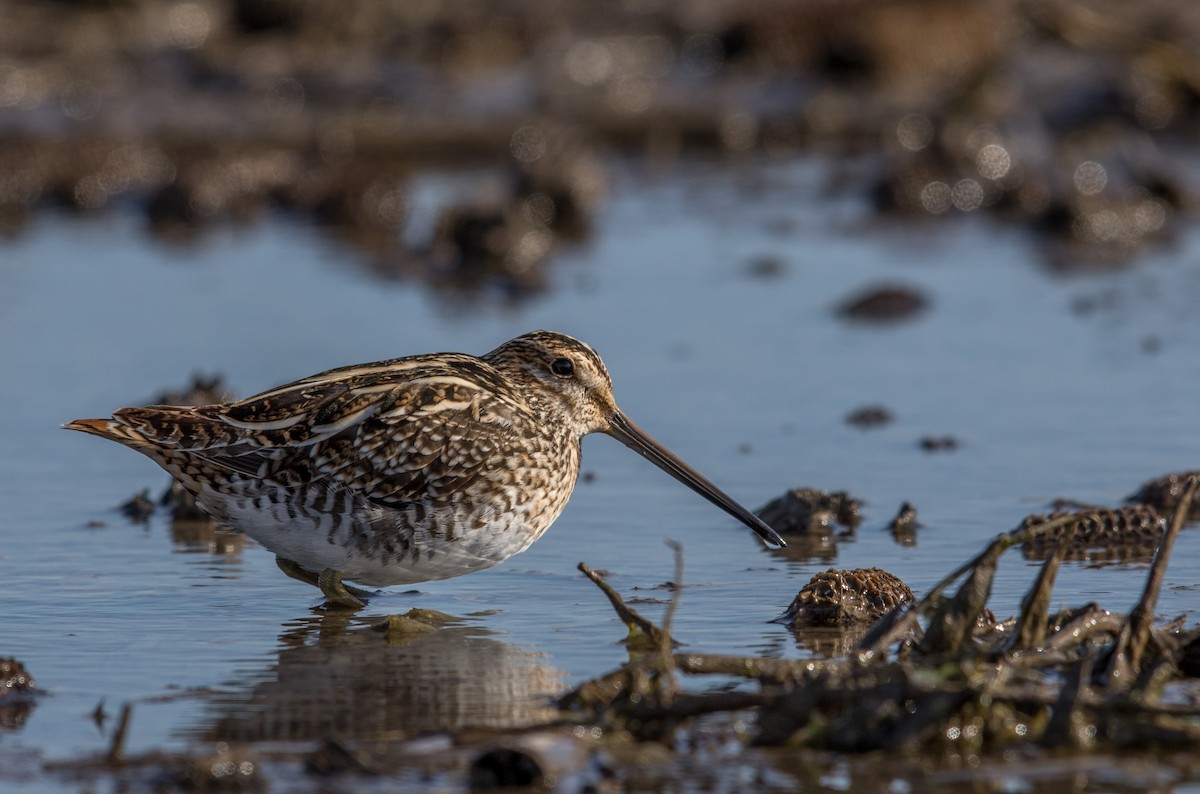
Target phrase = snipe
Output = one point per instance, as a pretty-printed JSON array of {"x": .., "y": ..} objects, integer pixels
[{"x": 401, "y": 471}]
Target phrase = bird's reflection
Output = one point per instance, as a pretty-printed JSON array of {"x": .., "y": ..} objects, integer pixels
[
  {"x": 202, "y": 535},
  {"x": 349, "y": 677}
]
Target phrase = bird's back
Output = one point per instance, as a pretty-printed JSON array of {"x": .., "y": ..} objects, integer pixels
[{"x": 375, "y": 458}]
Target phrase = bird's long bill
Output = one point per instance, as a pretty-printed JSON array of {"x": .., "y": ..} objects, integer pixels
[{"x": 636, "y": 439}]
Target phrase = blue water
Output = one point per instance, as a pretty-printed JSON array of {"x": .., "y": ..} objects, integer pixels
[{"x": 746, "y": 377}]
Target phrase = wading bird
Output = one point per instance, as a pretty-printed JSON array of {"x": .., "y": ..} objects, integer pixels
[{"x": 401, "y": 471}]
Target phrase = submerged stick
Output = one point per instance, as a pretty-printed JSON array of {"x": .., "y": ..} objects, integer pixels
[
  {"x": 1063, "y": 728},
  {"x": 116, "y": 749},
  {"x": 632, "y": 620},
  {"x": 954, "y": 621},
  {"x": 677, "y": 548},
  {"x": 891, "y": 628},
  {"x": 1131, "y": 645},
  {"x": 1001, "y": 544},
  {"x": 949, "y": 628},
  {"x": 1032, "y": 625},
  {"x": 666, "y": 665}
]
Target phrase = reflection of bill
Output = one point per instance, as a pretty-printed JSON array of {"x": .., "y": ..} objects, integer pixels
[{"x": 339, "y": 676}]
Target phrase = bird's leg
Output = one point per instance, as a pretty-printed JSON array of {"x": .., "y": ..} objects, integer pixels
[
  {"x": 296, "y": 572},
  {"x": 338, "y": 594},
  {"x": 330, "y": 582}
]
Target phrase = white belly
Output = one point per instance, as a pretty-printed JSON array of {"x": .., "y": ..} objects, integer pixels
[{"x": 380, "y": 547}]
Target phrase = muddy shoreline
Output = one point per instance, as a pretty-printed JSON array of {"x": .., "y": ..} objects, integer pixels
[{"x": 1072, "y": 119}]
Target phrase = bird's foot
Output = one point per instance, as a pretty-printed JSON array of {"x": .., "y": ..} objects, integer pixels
[
  {"x": 338, "y": 594},
  {"x": 330, "y": 582}
]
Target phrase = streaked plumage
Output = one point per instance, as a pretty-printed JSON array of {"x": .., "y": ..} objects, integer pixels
[{"x": 400, "y": 471}]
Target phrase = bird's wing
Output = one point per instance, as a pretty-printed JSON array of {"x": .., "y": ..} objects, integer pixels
[
  {"x": 393, "y": 432},
  {"x": 436, "y": 435}
]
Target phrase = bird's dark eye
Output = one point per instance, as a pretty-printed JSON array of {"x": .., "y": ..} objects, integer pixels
[{"x": 562, "y": 367}]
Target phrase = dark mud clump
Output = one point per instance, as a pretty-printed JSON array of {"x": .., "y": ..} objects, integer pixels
[
  {"x": 1073, "y": 119},
  {"x": 17, "y": 693},
  {"x": 904, "y": 525},
  {"x": 15, "y": 680},
  {"x": 1125, "y": 534},
  {"x": 945, "y": 443},
  {"x": 200, "y": 390},
  {"x": 843, "y": 598},
  {"x": 553, "y": 188},
  {"x": 138, "y": 508},
  {"x": 885, "y": 304},
  {"x": 766, "y": 267},
  {"x": 1058, "y": 129},
  {"x": 809, "y": 510},
  {"x": 809, "y": 518},
  {"x": 1163, "y": 493},
  {"x": 869, "y": 417}
]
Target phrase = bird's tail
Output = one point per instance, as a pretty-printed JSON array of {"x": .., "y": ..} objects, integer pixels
[
  {"x": 158, "y": 427},
  {"x": 111, "y": 429}
]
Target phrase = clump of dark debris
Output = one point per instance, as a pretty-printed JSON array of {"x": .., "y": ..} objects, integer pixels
[
  {"x": 904, "y": 525},
  {"x": 1074, "y": 118},
  {"x": 18, "y": 691},
  {"x": 1126, "y": 534},
  {"x": 946, "y": 443},
  {"x": 810, "y": 519},
  {"x": 869, "y": 416},
  {"x": 809, "y": 510},
  {"x": 884, "y": 304},
  {"x": 200, "y": 390},
  {"x": 940, "y": 673},
  {"x": 1164, "y": 493},
  {"x": 138, "y": 508},
  {"x": 844, "y": 598}
]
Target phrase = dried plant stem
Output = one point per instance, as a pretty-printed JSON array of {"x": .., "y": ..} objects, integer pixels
[
  {"x": 632, "y": 620},
  {"x": 1127, "y": 656}
]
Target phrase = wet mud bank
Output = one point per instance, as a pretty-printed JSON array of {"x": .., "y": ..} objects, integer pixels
[{"x": 1072, "y": 119}]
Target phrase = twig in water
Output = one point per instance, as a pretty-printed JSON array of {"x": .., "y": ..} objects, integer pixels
[
  {"x": 1127, "y": 656},
  {"x": 1033, "y": 623},
  {"x": 638, "y": 626},
  {"x": 116, "y": 750},
  {"x": 665, "y": 643}
]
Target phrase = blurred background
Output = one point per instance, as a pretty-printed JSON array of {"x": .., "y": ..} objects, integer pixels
[
  {"x": 942, "y": 252},
  {"x": 1073, "y": 119}
]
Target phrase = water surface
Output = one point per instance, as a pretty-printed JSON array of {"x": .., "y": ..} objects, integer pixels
[{"x": 1078, "y": 388}]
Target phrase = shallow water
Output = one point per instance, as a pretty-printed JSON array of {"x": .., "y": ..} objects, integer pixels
[{"x": 1077, "y": 388}]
